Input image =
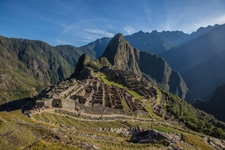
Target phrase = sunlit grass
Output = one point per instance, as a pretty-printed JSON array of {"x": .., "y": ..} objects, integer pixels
[
  {"x": 152, "y": 113},
  {"x": 125, "y": 106},
  {"x": 105, "y": 79},
  {"x": 197, "y": 141}
]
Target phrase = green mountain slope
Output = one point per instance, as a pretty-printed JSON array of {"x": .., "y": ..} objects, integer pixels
[{"x": 28, "y": 66}]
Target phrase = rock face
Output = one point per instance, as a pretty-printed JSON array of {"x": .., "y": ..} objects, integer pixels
[
  {"x": 150, "y": 136},
  {"x": 159, "y": 70},
  {"x": 81, "y": 70},
  {"x": 123, "y": 56}
]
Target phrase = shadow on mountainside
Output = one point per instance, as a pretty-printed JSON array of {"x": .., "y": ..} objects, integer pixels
[{"x": 14, "y": 105}]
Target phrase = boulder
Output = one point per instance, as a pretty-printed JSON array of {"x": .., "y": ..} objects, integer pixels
[{"x": 151, "y": 136}]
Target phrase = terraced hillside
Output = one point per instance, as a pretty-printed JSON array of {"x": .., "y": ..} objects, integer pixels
[
  {"x": 57, "y": 127},
  {"x": 49, "y": 129}
]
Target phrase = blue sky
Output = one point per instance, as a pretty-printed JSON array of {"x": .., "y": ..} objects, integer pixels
[{"x": 78, "y": 22}]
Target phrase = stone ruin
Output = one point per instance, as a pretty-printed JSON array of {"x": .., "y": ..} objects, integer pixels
[
  {"x": 93, "y": 96},
  {"x": 99, "y": 94},
  {"x": 132, "y": 81}
]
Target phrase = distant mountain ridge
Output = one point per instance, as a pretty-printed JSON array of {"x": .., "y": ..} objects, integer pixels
[
  {"x": 157, "y": 42},
  {"x": 200, "y": 62}
]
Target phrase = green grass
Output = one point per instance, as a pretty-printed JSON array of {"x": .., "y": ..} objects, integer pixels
[
  {"x": 152, "y": 113},
  {"x": 158, "y": 95},
  {"x": 162, "y": 128},
  {"x": 197, "y": 141},
  {"x": 52, "y": 118},
  {"x": 37, "y": 116},
  {"x": 15, "y": 136},
  {"x": 107, "y": 80},
  {"x": 68, "y": 121},
  {"x": 44, "y": 145},
  {"x": 59, "y": 119},
  {"x": 19, "y": 136},
  {"x": 6, "y": 116},
  {"x": 135, "y": 94},
  {"x": 125, "y": 106},
  {"x": 148, "y": 103},
  {"x": 43, "y": 116}
]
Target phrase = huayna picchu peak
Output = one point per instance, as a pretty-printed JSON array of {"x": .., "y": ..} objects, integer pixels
[{"x": 121, "y": 54}]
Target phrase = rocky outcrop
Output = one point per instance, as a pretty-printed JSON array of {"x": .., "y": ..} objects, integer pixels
[
  {"x": 103, "y": 62},
  {"x": 82, "y": 67},
  {"x": 215, "y": 143},
  {"x": 151, "y": 136}
]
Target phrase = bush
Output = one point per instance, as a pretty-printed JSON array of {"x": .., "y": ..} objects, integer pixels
[{"x": 193, "y": 118}]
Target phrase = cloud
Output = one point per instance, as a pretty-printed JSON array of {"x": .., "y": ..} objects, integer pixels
[
  {"x": 100, "y": 32},
  {"x": 148, "y": 14},
  {"x": 129, "y": 29},
  {"x": 90, "y": 35}
]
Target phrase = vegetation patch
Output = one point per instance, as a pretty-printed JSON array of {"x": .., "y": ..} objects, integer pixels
[
  {"x": 152, "y": 113},
  {"x": 125, "y": 106},
  {"x": 197, "y": 141},
  {"x": 108, "y": 80},
  {"x": 193, "y": 118}
]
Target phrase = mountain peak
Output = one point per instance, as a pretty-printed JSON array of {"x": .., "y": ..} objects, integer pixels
[
  {"x": 140, "y": 32},
  {"x": 154, "y": 32},
  {"x": 119, "y": 52},
  {"x": 84, "y": 59},
  {"x": 118, "y": 37}
]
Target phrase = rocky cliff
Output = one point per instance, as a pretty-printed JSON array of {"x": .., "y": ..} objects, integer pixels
[{"x": 121, "y": 54}]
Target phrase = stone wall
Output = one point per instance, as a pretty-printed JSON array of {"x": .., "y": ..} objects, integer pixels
[{"x": 68, "y": 104}]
